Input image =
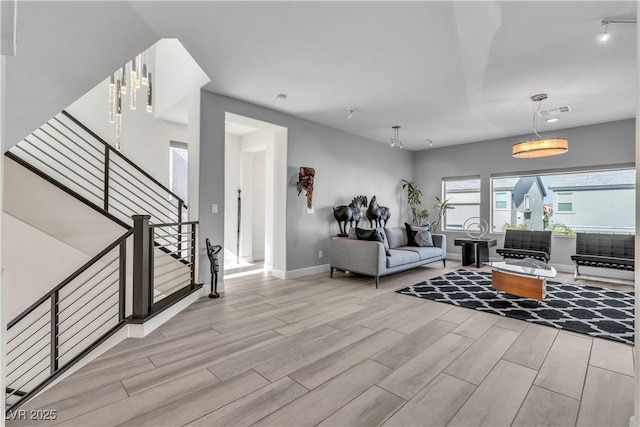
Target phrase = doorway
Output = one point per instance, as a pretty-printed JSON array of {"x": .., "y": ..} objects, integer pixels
[{"x": 255, "y": 197}]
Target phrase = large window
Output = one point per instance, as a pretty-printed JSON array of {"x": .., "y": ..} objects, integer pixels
[
  {"x": 178, "y": 169},
  {"x": 463, "y": 195},
  {"x": 566, "y": 203}
]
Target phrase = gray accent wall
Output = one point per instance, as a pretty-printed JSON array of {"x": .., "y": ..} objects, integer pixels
[
  {"x": 346, "y": 165},
  {"x": 596, "y": 146}
]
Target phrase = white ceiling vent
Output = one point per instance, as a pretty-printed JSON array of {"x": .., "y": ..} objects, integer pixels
[{"x": 554, "y": 111}]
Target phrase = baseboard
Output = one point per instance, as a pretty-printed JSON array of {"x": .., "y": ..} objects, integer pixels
[
  {"x": 144, "y": 329},
  {"x": 301, "y": 272},
  {"x": 279, "y": 274}
]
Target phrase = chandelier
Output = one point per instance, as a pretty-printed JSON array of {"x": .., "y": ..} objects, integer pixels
[
  {"x": 541, "y": 147},
  {"x": 139, "y": 77}
]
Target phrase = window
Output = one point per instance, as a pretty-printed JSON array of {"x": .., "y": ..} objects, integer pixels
[
  {"x": 178, "y": 169},
  {"x": 463, "y": 195},
  {"x": 500, "y": 201},
  {"x": 565, "y": 202},
  {"x": 600, "y": 201}
]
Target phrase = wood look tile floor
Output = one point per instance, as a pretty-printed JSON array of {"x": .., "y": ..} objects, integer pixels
[{"x": 333, "y": 352}]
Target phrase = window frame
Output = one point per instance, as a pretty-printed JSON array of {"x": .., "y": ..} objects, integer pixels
[
  {"x": 444, "y": 222},
  {"x": 506, "y": 200},
  {"x": 556, "y": 197}
]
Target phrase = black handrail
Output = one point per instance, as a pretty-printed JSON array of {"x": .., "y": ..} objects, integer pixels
[
  {"x": 69, "y": 279},
  {"x": 123, "y": 157}
]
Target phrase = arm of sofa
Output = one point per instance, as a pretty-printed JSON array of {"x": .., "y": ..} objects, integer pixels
[
  {"x": 440, "y": 240},
  {"x": 359, "y": 256}
]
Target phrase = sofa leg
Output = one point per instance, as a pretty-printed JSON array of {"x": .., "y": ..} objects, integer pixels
[
  {"x": 444, "y": 262},
  {"x": 377, "y": 281},
  {"x": 576, "y": 273},
  {"x": 331, "y": 274}
]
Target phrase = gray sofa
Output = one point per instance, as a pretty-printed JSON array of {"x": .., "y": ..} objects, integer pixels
[{"x": 369, "y": 257}]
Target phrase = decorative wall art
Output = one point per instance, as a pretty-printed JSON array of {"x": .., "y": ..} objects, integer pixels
[{"x": 305, "y": 183}]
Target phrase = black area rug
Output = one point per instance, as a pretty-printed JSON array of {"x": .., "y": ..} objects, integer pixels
[{"x": 584, "y": 309}]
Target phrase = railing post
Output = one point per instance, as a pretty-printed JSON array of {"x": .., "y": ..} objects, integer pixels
[
  {"x": 142, "y": 255},
  {"x": 193, "y": 255},
  {"x": 54, "y": 333},
  {"x": 180, "y": 206},
  {"x": 106, "y": 178},
  {"x": 123, "y": 280}
]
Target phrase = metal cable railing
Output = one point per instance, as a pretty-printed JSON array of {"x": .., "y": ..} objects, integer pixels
[
  {"x": 67, "y": 152},
  {"x": 55, "y": 331},
  {"x": 76, "y": 316},
  {"x": 173, "y": 241}
]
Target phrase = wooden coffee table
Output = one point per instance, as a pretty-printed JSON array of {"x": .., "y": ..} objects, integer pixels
[{"x": 521, "y": 277}]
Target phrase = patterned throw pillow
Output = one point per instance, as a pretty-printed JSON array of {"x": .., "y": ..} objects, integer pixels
[
  {"x": 376, "y": 235},
  {"x": 412, "y": 230},
  {"x": 423, "y": 238}
]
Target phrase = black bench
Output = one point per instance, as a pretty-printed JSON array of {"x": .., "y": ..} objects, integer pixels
[
  {"x": 615, "y": 251},
  {"x": 527, "y": 244}
]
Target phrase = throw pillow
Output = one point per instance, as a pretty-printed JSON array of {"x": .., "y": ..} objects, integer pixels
[
  {"x": 412, "y": 230},
  {"x": 376, "y": 235},
  {"x": 423, "y": 238}
]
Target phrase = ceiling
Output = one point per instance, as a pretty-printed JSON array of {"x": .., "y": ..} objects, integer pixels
[{"x": 451, "y": 72}]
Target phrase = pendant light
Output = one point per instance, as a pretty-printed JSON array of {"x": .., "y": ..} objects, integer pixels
[{"x": 541, "y": 147}]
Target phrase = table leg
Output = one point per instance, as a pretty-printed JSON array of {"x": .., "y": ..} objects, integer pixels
[
  {"x": 468, "y": 253},
  {"x": 482, "y": 254}
]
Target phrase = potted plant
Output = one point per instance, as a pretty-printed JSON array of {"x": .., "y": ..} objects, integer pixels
[{"x": 413, "y": 198}]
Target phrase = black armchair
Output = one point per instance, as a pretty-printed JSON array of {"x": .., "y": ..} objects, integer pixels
[{"x": 527, "y": 244}]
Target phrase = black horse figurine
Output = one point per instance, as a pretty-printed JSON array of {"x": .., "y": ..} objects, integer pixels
[
  {"x": 349, "y": 213},
  {"x": 377, "y": 214}
]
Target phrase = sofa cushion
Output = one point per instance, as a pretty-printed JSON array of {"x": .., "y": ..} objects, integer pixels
[
  {"x": 424, "y": 252},
  {"x": 377, "y": 234},
  {"x": 396, "y": 236},
  {"x": 401, "y": 257}
]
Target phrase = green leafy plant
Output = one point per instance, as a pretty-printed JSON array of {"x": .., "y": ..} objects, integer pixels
[
  {"x": 561, "y": 229},
  {"x": 512, "y": 226},
  {"x": 441, "y": 206},
  {"x": 413, "y": 198}
]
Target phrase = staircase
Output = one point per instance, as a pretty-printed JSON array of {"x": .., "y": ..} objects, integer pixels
[{"x": 147, "y": 269}]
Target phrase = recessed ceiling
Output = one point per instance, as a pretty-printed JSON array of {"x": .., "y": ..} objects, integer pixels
[{"x": 452, "y": 72}]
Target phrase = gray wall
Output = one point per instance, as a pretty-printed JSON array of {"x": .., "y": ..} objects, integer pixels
[
  {"x": 596, "y": 146},
  {"x": 346, "y": 165}
]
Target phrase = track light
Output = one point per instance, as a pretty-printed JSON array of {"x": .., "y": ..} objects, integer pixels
[
  {"x": 604, "y": 36},
  {"x": 395, "y": 141},
  {"x": 350, "y": 112}
]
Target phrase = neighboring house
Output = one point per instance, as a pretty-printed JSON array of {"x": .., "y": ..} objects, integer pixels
[
  {"x": 518, "y": 202},
  {"x": 578, "y": 199},
  {"x": 464, "y": 196}
]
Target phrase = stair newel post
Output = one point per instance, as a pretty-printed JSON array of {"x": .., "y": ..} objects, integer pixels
[
  {"x": 54, "y": 332},
  {"x": 142, "y": 264},
  {"x": 123, "y": 281},
  {"x": 180, "y": 207},
  {"x": 193, "y": 255},
  {"x": 107, "y": 150}
]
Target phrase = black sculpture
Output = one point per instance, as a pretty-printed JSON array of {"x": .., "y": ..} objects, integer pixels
[
  {"x": 349, "y": 213},
  {"x": 212, "y": 253},
  {"x": 377, "y": 213}
]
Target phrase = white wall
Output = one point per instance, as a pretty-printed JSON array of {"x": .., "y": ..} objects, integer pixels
[
  {"x": 233, "y": 166},
  {"x": 33, "y": 263},
  {"x": 145, "y": 139},
  {"x": 258, "y": 214}
]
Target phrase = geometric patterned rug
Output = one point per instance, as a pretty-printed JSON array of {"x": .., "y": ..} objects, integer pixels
[{"x": 584, "y": 309}]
